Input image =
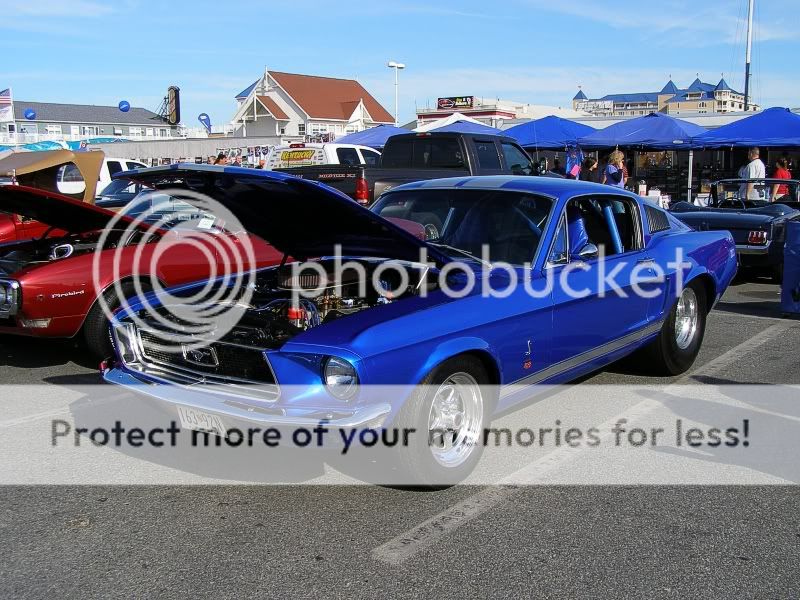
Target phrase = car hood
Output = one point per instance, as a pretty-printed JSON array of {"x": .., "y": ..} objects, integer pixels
[
  {"x": 53, "y": 209},
  {"x": 303, "y": 219}
]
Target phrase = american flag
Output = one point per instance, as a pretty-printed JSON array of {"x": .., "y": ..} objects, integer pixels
[{"x": 6, "y": 106}]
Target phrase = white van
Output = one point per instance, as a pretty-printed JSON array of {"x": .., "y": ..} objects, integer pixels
[
  {"x": 303, "y": 155},
  {"x": 70, "y": 180}
]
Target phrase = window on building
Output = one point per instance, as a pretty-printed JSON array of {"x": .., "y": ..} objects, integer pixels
[
  {"x": 89, "y": 130},
  {"x": 301, "y": 129},
  {"x": 134, "y": 131},
  {"x": 12, "y": 128},
  {"x": 117, "y": 131},
  {"x": 53, "y": 129},
  {"x": 163, "y": 132},
  {"x": 149, "y": 132},
  {"x": 351, "y": 129},
  {"x": 283, "y": 130}
]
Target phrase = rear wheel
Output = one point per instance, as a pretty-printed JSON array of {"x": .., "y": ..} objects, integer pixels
[
  {"x": 448, "y": 412},
  {"x": 677, "y": 345}
]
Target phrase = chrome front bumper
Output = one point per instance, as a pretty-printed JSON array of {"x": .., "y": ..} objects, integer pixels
[{"x": 172, "y": 395}]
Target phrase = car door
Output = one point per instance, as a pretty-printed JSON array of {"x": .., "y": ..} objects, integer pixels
[{"x": 602, "y": 287}]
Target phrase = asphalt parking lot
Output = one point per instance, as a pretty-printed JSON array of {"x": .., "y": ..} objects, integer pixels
[{"x": 337, "y": 540}]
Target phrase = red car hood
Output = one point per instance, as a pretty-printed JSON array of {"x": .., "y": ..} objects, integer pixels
[{"x": 53, "y": 209}]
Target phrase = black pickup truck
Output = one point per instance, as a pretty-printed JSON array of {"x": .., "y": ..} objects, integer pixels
[{"x": 418, "y": 156}]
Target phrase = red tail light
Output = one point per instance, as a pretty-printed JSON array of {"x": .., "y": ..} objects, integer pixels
[
  {"x": 362, "y": 191},
  {"x": 757, "y": 238}
]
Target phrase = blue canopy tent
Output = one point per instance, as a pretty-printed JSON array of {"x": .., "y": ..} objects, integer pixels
[
  {"x": 549, "y": 133},
  {"x": 655, "y": 131},
  {"x": 374, "y": 137},
  {"x": 771, "y": 127},
  {"x": 468, "y": 127}
]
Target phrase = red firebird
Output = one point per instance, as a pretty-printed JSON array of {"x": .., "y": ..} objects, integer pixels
[{"x": 47, "y": 284}]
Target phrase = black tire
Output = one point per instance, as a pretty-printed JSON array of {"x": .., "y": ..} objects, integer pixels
[
  {"x": 664, "y": 356},
  {"x": 95, "y": 328},
  {"x": 415, "y": 464}
]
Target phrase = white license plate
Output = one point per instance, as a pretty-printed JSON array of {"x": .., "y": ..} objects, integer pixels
[{"x": 201, "y": 421}]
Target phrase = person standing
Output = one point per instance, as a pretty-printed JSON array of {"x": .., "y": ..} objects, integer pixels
[
  {"x": 588, "y": 168},
  {"x": 754, "y": 169},
  {"x": 614, "y": 173},
  {"x": 781, "y": 172}
]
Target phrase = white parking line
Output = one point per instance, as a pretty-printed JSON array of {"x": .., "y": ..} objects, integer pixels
[{"x": 424, "y": 535}]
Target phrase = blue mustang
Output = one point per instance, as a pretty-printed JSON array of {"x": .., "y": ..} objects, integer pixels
[{"x": 601, "y": 281}]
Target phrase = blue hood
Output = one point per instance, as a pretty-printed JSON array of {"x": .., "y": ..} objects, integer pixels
[{"x": 303, "y": 219}]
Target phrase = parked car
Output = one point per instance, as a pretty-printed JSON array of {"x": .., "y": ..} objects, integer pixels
[
  {"x": 339, "y": 347},
  {"x": 755, "y": 212},
  {"x": 41, "y": 170},
  {"x": 119, "y": 193},
  {"x": 306, "y": 154},
  {"x": 420, "y": 156},
  {"x": 71, "y": 181},
  {"x": 46, "y": 284}
]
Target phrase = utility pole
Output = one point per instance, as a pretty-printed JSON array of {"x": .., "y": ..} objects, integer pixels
[
  {"x": 749, "y": 51},
  {"x": 396, "y": 66}
]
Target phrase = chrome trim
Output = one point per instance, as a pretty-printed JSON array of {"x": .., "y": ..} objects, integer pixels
[
  {"x": 12, "y": 308},
  {"x": 749, "y": 249},
  {"x": 576, "y": 361},
  {"x": 185, "y": 377},
  {"x": 168, "y": 393}
]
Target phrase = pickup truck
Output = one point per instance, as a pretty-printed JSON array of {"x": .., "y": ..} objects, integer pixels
[
  {"x": 311, "y": 154},
  {"x": 419, "y": 156}
]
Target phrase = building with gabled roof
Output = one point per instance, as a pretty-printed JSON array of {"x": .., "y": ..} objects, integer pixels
[
  {"x": 699, "y": 97},
  {"x": 291, "y": 104}
]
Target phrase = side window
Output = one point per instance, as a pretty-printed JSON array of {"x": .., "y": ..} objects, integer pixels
[
  {"x": 610, "y": 223},
  {"x": 518, "y": 162},
  {"x": 134, "y": 165},
  {"x": 486, "y": 151},
  {"x": 347, "y": 156},
  {"x": 558, "y": 252},
  {"x": 114, "y": 167},
  {"x": 371, "y": 159}
]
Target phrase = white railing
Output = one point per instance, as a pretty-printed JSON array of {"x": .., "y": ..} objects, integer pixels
[{"x": 14, "y": 139}]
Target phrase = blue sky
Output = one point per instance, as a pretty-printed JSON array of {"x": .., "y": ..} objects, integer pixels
[{"x": 538, "y": 51}]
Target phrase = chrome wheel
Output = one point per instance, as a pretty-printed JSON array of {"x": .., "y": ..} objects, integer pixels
[
  {"x": 686, "y": 318},
  {"x": 455, "y": 419}
]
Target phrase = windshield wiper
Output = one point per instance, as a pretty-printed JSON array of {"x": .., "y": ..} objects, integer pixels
[{"x": 460, "y": 251}]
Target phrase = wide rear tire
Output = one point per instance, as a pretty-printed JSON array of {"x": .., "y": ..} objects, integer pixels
[{"x": 678, "y": 343}]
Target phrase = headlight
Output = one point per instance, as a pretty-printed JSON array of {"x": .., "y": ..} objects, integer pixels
[
  {"x": 340, "y": 377},
  {"x": 9, "y": 297}
]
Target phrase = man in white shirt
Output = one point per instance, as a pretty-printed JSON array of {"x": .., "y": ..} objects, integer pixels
[{"x": 754, "y": 169}]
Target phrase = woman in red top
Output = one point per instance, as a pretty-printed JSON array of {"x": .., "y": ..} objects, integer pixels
[{"x": 781, "y": 172}]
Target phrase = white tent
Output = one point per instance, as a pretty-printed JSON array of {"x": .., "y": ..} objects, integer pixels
[{"x": 454, "y": 118}]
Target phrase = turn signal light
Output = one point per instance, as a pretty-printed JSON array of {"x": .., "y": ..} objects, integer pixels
[
  {"x": 362, "y": 191},
  {"x": 757, "y": 238}
]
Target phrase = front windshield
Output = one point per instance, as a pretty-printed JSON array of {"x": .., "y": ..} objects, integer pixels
[
  {"x": 498, "y": 226},
  {"x": 755, "y": 193},
  {"x": 167, "y": 212}
]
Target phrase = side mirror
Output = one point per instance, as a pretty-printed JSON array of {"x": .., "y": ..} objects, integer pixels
[{"x": 588, "y": 252}]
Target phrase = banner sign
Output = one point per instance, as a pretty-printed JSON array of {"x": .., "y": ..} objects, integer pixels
[{"x": 456, "y": 102}]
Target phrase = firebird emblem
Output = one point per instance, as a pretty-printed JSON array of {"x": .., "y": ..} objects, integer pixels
[{"x": 205, "y": 357}]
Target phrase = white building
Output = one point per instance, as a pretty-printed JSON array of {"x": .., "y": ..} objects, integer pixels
[
  {"x": 288, "y": 104},
  {"x": 490, "y": 111}
]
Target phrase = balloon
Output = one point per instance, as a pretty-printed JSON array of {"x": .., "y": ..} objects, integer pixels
[
  {"x": 124, "y": 105},
  {"x": 30, "y": 114}
]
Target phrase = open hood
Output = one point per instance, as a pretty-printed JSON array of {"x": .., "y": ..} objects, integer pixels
[
  {"x": 303, "y": 219},
  {"x": 53, "y": 209}
]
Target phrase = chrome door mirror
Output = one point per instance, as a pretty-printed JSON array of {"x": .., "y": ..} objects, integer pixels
[{"x": 588, "y": 252}]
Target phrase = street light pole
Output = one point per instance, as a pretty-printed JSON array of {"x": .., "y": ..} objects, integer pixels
[{"x": 396, "y": 66}]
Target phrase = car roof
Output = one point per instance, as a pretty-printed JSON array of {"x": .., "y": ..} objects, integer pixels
[{"x": 550, "y": 186}]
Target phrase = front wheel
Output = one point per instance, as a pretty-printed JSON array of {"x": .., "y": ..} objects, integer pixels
[
  {"x": 96, "y": 332},
  {"x": 448, "y": 412},
  {"x": 677, "y": 345}
]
